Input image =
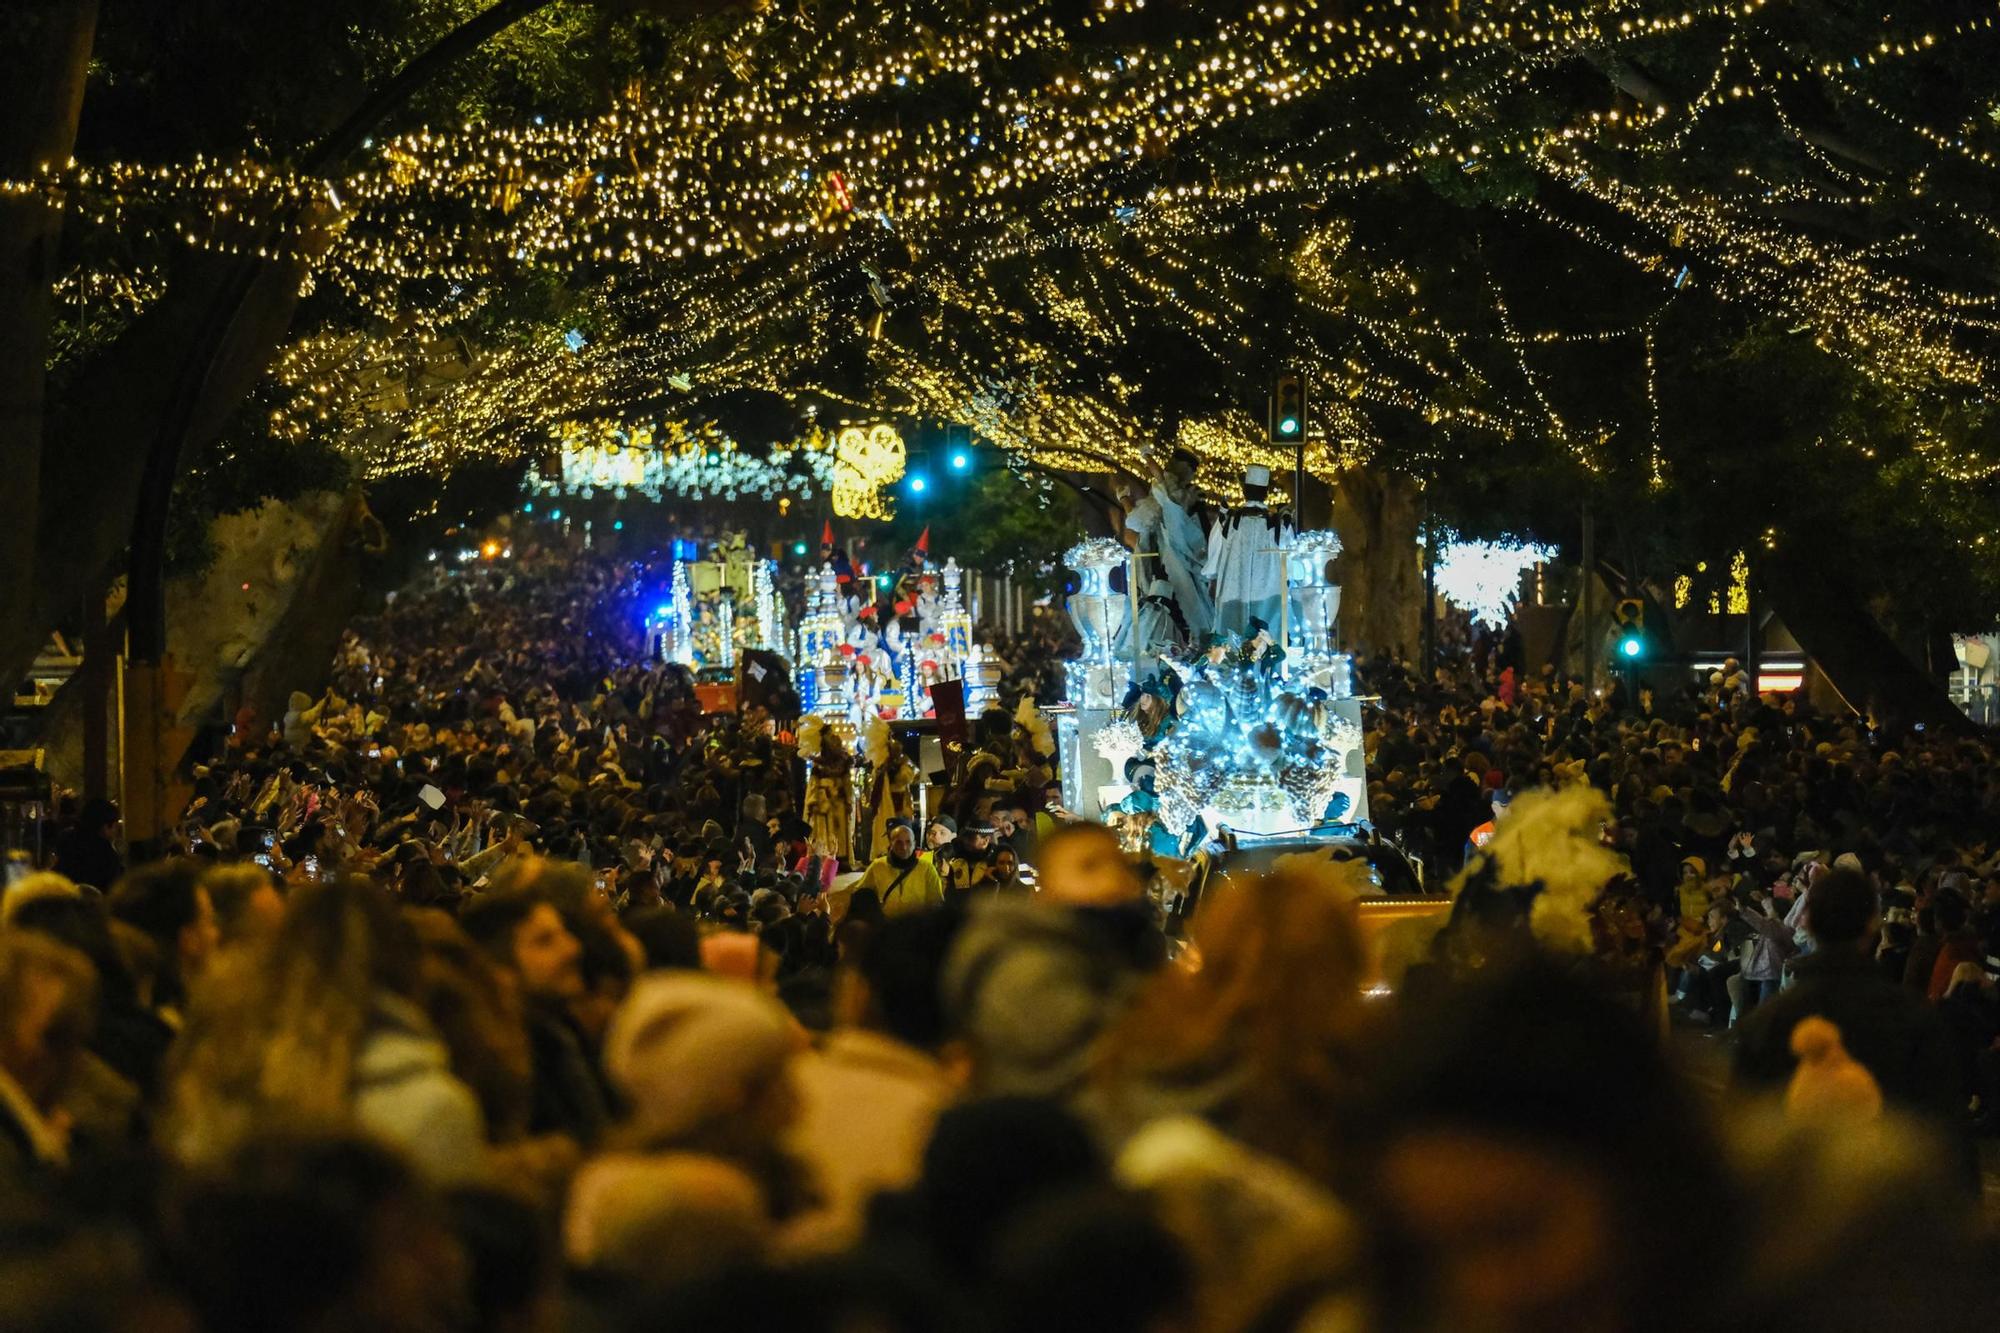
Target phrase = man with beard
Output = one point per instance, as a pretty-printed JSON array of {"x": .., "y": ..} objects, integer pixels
[
  {"x": 902, "y": 881},
  {"x": 525, "y": 934}
]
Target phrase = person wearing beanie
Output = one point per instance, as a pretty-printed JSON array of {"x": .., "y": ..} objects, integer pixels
[
  {"x": 1896, "y": 1036},
  {"x": 1828, "y": 1083},
  {"x": 704, "y": 1064}
]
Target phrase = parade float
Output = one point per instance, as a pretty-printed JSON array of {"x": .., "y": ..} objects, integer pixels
[
  {"x": 1254, "y": 730},
  {"x": 718, "y": 607},
  {"x": 852, "y": 670}
]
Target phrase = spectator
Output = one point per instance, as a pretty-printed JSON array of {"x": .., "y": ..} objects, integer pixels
[
  {"x": 1260, "y": 1039},
  {"x": 168, "y": 903},
  {"x": 321, "y": 1029},
  {"x": 879, "y": 1067},
  {"x": 1537, "y": 1161},
  {"x": 248, "y": 905},
  {"x": 88, "y": 853},
  {"x": 325, "y": 1233},
  {"x": 1957, "y": 943},
  {"x": 525, "y": 935},
  {"x": 1894, "y": 1035},
  {"x": 704, "y": 1063},
  {"x": 901, "y": 880},
  {"x": 46, "y": 990}
]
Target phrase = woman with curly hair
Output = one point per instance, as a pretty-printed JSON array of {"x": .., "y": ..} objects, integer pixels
[{"x": 1253, "y": 1028}]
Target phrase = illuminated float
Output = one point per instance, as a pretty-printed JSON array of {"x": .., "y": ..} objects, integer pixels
[
  {"x": 849, "y": 673},
  {"x": 718, "y": 607},
  {"x": 1255, "y": 731}
]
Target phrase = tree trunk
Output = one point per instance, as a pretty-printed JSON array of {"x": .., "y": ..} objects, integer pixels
[
  {"x": 1864, "y": 664},
  {"x": 1380, "y": 570},
  {"x": 44, "y": 59},
  {"x": 94, "y": 461},
  {"x": 169, "y": 383}
]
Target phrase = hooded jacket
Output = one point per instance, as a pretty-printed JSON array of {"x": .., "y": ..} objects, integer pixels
[{"x": 404, "y": 1092}]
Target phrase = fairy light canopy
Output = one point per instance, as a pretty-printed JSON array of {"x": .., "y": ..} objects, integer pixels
[{"x": 1085, "y": 229}]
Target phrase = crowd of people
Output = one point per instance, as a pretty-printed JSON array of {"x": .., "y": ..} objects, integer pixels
[{"x": 498, "y": 987}]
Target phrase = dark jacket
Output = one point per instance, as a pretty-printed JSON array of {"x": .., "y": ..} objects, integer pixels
[
  {"x": 569, "y": 1098},
  {"x": 89, "y": 858}
]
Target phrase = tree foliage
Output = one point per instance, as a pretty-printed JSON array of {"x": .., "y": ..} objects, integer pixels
[{"x": 1725, "y": 272}]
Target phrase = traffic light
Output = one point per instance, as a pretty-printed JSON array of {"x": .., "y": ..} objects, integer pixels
[
  {"x": 1630, "y": 617},
  {"x": 1288, "y": 408}
]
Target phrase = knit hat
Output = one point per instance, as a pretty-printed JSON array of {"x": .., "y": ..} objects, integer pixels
[
  {"x": 1829, "y": 1083},
  {"x": 730, "y": 953},
  {"x": 687, "y": 1048},
  {"x": 1031, "y": 989}
]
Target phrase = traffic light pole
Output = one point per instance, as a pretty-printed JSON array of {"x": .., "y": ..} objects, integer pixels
[
  {"x": 1583, "y": 598},
  {"x": 1299, "y": 483}
]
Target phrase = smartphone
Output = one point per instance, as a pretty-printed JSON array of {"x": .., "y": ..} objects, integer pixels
[
  {"x": 311, "y": 866},
  {"x": 270, "y": 841},
  {"x": 264, "y": 859}
]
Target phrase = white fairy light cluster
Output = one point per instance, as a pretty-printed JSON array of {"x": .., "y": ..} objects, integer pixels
[{"x": 1483, "y": 578}]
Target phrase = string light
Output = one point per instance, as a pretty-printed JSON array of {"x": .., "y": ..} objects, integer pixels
[{"x": 1032, "y": 190}]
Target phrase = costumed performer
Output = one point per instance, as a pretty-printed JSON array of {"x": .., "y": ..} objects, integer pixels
[
  {"x": 889, "y": 791},
  {"x": 1246, "y": 555},
  {"x": 1182, "y": 544},
  {"x": 1161, "y": 626},
  {"x": 829, "y": 808}
]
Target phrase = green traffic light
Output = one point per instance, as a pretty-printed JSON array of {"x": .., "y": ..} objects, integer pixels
[
  {"x": 1288, "y": 426},
  {"x": 1630, "y": 645}
]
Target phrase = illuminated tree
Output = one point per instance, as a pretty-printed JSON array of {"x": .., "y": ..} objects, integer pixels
[{"x": 1717, "y": 269}]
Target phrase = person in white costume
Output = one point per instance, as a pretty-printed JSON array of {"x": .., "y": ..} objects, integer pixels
[
  {"x": 1160, "y": 521},
  {"x": 1160, "y": 627},
  {"x": 1246, "y": 556}
]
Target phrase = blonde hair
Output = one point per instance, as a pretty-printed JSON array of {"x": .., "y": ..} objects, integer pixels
[
  {"x": 230, "y": 887},
  {"x": 27, "y": 956},
  {"x": 41, "y": 884},
  {"x": 272, "y": 1033}
]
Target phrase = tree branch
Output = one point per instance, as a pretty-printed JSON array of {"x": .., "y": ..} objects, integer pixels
[{"x": 467, "y": 37}]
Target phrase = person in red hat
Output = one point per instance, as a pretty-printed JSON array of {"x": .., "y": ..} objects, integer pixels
[
  {"x": 830, "y": 553},
  {"x": 910, "y": 583}
]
